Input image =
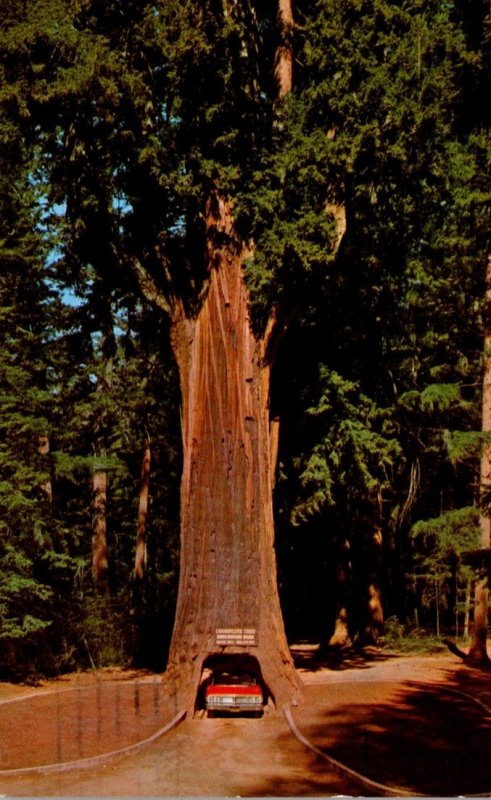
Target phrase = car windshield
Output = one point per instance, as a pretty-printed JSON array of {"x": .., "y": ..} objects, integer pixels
[{"x": 234, "y": 678}]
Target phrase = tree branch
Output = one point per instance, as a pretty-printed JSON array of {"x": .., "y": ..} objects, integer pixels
[
  {"x": 270, "y": 339},
  {"x": 149, "y": 288}
]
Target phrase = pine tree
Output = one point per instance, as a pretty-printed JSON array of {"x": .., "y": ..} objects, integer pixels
[
  {"x": 25, "y": 483},
  {"x": 383, "y": 89},
  {"x": 239, "y": 165}
]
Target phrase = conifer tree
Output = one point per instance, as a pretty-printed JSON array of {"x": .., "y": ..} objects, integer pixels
[
  {"x": 232, "y": 163},
  {"x": 25, "y": 476},
  {"x": 402, "y": 295}
]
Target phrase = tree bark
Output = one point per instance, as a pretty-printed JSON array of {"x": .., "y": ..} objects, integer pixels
[
  {"x": 284, "y": 51},
  {"x": 341, "y": 636},
  {"x": 478, "y": 650},
  {"x": 228, "y": 566},
  {"x": 437, "y": 607},
  {"x": 375, "y": 622},
  {"x": 141, "y": 532},
  {"x": 467, "y": 611},
  {"x": 46, "y": 486},
  {"x": 374, "y": 612},
  {"x": 100, "y": 563}
]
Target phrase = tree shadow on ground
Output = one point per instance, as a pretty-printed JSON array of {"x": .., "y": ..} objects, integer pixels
[
  {"x": 315, "y": 658},
  {"x": 427, "y": 739},
  {"x": 474, "y": 680}
]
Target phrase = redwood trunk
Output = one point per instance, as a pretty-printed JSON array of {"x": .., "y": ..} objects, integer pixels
[
  {"x": 478, "y": 654},
  {"x": 228, "y": 567},
  {"x": 341, "y": 636},
  {"x": 99, "y": 537},
  {"x": 141, "y": 533},
  {"x": 374, "y": 612},
  {"x": 46, "y": 485},
  {"x": 467, "y": 615},
  {"x": 478, "y": 651},
  {"x": 284, "y": 51},
  {"x": 375, "y": 623}
]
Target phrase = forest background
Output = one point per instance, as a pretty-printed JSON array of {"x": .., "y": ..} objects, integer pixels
[{"x": 366, "y": 191}]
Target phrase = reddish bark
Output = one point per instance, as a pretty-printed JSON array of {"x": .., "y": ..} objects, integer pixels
[
  {"x": 374, "y": 612},
  {"x": 228, "y": 567},
  {"x": 284, "y": 51},
  {"x": 375, "y": 622},
  {"x": 46, "y": 486},
  {"x": 341, "y": 636},
  {"x": 274, "y": 435},
  {"x": 478, "y": 652},
  {"x": 141, "y": 532},
  {"x": 99, "y": 538}
]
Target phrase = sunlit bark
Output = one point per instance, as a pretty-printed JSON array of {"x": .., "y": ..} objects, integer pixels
[
  {"x": 46, "y": 486},
  {"x": 141, "y": 532},
  {"x": 99, "y": 535},
  {"x": 228, "y": 567},
  {"x": 374, "y": 612},
  {"x": 341, "y": 635},
  {"x": 478, "y": 650},
  {"x": 284, "y": 51}
]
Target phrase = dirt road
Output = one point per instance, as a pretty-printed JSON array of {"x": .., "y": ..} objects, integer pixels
[
  {"x": 201, "y": 757},
  {"x": 407, "y": 722}
]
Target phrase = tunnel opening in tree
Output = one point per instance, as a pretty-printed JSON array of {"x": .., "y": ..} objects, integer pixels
[{"x": 233, "y": 665}]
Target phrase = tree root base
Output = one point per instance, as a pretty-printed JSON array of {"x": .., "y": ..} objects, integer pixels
[{"x": 482, "y": 661}]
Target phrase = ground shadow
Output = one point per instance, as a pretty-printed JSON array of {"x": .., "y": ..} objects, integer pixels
[
  {"x": 427, "y": 739},
  {"x": 314, "y": 658}
]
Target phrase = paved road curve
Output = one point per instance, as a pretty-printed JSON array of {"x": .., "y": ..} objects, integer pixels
[{"x": 201, "y": 757}]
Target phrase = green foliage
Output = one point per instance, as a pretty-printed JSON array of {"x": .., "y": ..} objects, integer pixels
[
  {"x": 452, "y": 532},
  {"x": 117, "y": 123},
  {"x": 356, "y": 454},
  {"x": 19, "y": 590},
  {"x": 100, "y": 628},
  {"x": 438, "y": 544},
  {"x": 463, "y": 445},
  {"x": 401, "y": 638}
]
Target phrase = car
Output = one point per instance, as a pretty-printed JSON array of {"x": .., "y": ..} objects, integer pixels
[{"x": 232, "y": 692}]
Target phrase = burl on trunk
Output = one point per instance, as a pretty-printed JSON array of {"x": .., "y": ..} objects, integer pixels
[{"x": 228, "y": 566}]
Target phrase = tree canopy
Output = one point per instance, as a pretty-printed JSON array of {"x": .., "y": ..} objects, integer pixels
[{"x": 365, "y": 193}]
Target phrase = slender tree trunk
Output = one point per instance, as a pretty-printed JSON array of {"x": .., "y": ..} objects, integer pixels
[
  {"x": 455, "y": 600},
  {"x": 99, "y": 537},
  {"x": 274, "y": 435},
  {"x": 46, "y": 486},
  {"x": 284, "y": 51},
  {"x": 467, "y": 613},
  {"x": 228, "y": 599},
  {"x": 478, "y": 650},
  {"x": 375, "y": 623},
  {"x": 374, "y": 613},
  {"x": 437, "y": 607},
  {"x": 341, "y": 636},
  {"x": 141, "y": 532}
]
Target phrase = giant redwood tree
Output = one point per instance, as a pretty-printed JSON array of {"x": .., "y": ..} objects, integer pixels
[
  {"x": 228, "y": 598},
  {"x": 191, "y": 160},
  {"x": 150, "y": 119}
]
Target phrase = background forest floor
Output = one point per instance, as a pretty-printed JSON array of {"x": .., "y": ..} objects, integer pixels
[{"x": 416, "y": 723}]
